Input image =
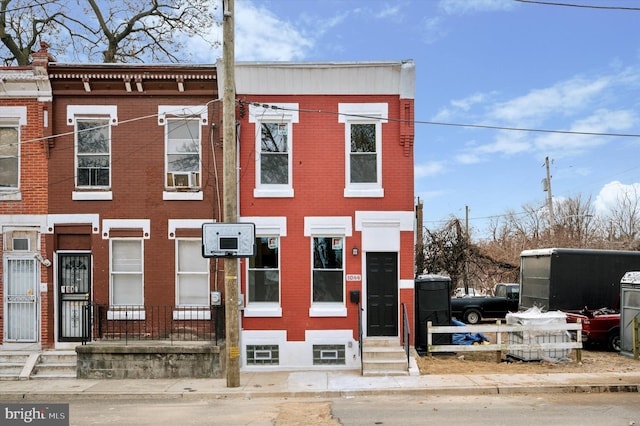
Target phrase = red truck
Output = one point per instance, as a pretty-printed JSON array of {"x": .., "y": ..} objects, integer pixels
[{"x": 600, "y": 327}]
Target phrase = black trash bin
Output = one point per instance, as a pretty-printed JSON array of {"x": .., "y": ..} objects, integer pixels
[{"x": 432, "y": 303}]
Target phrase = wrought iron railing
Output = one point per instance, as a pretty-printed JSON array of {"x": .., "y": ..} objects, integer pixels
[
  {"x": 406, "y": 332},
  {"x": 152, "y": 322}
]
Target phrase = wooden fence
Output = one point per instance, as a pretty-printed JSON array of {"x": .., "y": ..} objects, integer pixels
[{"x": 516, "y": 338}]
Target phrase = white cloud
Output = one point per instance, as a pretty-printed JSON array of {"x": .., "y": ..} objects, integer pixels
[
  {"x": 611, "y": 193},
  {"x": 433, "y": 30},
  {"x": 466, "y": 103},
  {"x": 388, "y": 12},
  {"x": 565, "y": 98},
  {"x": 428, "y": 169},
  {"x": 560, "y": 145},
  {"x": 262, "y": 36},
  {"x": 461, "y": 7},
  {"x": 576, "y": 105}
]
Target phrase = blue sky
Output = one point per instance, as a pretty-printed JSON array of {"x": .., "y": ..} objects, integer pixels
[{"x": 488, "y": 62}]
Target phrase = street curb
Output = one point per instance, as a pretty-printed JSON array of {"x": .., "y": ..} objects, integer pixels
[{"x": 248, "y": 394}]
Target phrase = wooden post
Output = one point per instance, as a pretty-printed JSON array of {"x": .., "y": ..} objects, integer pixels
[
  {"x": 232, "y": 319},
  {"x": 579, "y": 336},
  {"x": 634, "y": 338}
]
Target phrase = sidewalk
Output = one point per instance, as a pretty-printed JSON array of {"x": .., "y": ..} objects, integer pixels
[{"x": 316, "y": 384}]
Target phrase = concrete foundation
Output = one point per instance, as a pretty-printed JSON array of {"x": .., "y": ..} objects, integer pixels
[{"x": 149, "y": 360}]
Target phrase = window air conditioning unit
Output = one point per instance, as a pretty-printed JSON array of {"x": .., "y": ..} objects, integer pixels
[{"x": 183, "y": 180}]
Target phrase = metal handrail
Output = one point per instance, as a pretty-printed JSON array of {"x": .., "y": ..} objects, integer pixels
[
  {"x": 406, "y": 332},
  {"x": 360, "y": 332}
]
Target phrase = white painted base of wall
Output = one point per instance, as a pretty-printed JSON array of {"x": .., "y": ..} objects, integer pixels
[{"x": 299, "y": 355}]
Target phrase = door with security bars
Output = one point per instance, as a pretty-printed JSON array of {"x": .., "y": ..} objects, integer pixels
[
  {"x": 21, "y": 300},
  {"x": 74, "y": 284}
]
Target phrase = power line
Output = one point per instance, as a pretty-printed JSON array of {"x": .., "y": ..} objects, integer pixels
[
  {"x": 584, "y": 6},
  {"x": 440, "y": 123}
]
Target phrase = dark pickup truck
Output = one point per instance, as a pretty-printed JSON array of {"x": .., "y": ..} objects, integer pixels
[
  {"x": 473, "y": 309},
  {"x": 600, "y": 327}
]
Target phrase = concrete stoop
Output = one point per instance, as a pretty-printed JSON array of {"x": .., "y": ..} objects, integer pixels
[
  {"x": 12, "y": 364},
  {"x": 24, "y": 365},
  {"x": 383, "y": 357},
  {"x": 55, "y": 365}
]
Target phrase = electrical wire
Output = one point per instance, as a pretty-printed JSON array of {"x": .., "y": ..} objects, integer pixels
[
  {"x": 440, "y": 123},
  {"x": 584, "y": 6}
]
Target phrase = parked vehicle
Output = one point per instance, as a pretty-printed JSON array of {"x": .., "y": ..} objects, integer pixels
[
  {"x": 459, "y": 292},
  {"x": 570, "y": 279},
  {"x": 473, "y": 309},
  {"x": 600, "y": 327}
]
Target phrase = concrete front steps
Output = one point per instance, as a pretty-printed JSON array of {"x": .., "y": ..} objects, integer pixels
[
  {"x": 25, "y": 365},
  {"x": 12, "y": 363},
  {"x": 55, "y": 365},
  {"x": 383, "y": 356}
]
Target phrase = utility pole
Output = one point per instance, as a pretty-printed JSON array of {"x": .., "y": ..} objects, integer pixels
[
  {"x": 547, "y": 187},
  {"x": 466, "y": 250},
  {"x": 419, "y": 264},
  {"x": 231, "y": 291}
]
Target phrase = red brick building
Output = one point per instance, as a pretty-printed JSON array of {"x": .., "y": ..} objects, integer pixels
[
  {"x": 25, "y": 285},
  {"x": 132, "y": 178},
  {"x": 326, "y": 175},
  {"x": 113, "y": 202}
]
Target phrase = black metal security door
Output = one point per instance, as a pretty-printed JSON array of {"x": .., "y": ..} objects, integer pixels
[
  {"x": 74, "y": 284},
  {"x": 382, "y": 294}
]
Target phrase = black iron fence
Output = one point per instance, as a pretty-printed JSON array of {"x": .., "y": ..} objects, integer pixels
[{"x": 152, "y": 322}]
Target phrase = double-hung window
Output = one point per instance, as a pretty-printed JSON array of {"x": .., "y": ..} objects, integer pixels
[
  {"x": 192, "y": 274},
  {"x": 127, "y": 277},
  {"x": 93, "y": 153},
  {"x": 363, "y": 148},
  {"x": 274, "y": 148},
  {"x": 264, "y": 272},
  {"x": 274, "y": 153},
  {"x": 9, "y": 157},
  {"x": 183, "y": 163},
  {"x": 328, "y": 270}
]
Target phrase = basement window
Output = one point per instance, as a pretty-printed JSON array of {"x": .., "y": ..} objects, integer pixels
[
  {"x": 328, "y": 355},
  {"x": 263, "y": 355}
]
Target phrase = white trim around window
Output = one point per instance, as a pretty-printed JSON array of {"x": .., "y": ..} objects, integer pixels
[
  {"x": 126, "y": 271},
  {"x": 192, "y": 279},
  {"x": 363, "y": 114},
  {"x": 266, "y": 226},
  {"x": 325, "y": 227},
  {"x": 273, "y": 118}
]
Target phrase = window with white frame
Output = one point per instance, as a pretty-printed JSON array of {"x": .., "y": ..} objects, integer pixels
[
  {"x": 363, "y": 153},
  {"x": 274, "y": 153},
  {"x": 264, "y": 271},
  {"x": 93, "y": 152},
  {"x": 182, "y": 162},
  {"x": 9, "y": 156},
  {"x": 328, "y": 270},
  {"x": 127, "y": 277},
  {"x": 274, "y": 142},
  {"x": 192, "y": 274},
  {"x": 363, "y": 148}
]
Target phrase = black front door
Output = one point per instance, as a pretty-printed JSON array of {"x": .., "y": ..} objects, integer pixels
[
  {"x": 382, "y": 294},
  {"x": 74, "y": 283}
]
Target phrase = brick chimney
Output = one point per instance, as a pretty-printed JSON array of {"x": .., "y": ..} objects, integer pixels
[{"x": 41, "y": 59}]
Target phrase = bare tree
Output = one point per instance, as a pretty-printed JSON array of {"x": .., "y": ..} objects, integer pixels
[
  {"x": 23, "y": 23},
  {"x": 624, "y": 219},
  {"x": 106, "y": 30},
  {"x": 574, "y": 221},
  {"x": 445, "y": 250}
]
